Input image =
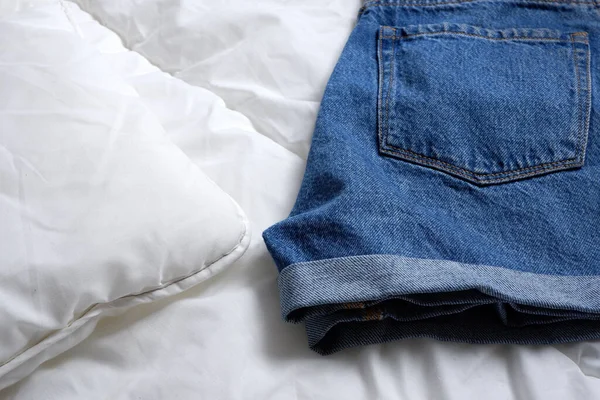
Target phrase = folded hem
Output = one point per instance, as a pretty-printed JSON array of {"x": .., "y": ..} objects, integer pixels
[{"x": 376, "y": 298}]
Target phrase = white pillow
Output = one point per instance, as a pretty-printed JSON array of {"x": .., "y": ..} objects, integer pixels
[{"x": 99, "y": 211}]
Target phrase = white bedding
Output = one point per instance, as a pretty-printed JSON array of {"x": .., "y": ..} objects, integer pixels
[
  {"x": 236, "y": 85},
  {"x": 99, "y": 210}
]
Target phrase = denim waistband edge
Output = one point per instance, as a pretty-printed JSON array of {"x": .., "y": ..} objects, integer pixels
[{"x": 432, "y": 3}]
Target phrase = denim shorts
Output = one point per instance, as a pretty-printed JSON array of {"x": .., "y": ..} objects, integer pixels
[{"x": 453, "y": 186}]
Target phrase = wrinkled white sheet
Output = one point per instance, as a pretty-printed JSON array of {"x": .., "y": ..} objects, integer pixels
[
  {"x": 99, "y": 210},
  {"x": 268, "y": 62}
]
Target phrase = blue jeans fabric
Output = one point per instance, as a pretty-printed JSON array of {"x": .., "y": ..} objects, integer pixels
[{"x": 453, "y": 186}]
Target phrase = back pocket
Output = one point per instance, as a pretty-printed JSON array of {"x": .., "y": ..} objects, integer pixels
[{"x": 487, "y": 106}]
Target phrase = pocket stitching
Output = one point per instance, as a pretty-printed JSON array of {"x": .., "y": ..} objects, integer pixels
[
  {"x": 380, "y": 89},
  {"x": 458, "y": 33},
  {"x": 579, "y": 113},
  {"x": 476, "y": 176},
  {"x": 392, "y": 81},
  {"x": 498, "y": 177},
  {"x": 583, "y": 125}
]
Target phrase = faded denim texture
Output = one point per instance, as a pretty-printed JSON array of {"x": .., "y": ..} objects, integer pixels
[{"x": 453, "y": 186}]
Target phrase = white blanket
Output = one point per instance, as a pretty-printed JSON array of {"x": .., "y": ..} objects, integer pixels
[{"x": 236, "y": 85}]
